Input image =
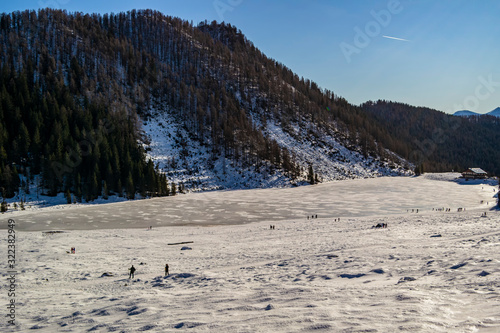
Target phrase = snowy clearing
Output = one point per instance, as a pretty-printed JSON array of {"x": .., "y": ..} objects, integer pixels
[{"x": 434, "y": 271}]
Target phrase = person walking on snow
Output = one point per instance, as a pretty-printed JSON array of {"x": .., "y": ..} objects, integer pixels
[
  {"x": 166, "y": 269},
  {"x": 132, "y": 270}
]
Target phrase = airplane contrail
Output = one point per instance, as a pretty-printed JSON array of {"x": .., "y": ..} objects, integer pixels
[{"x": 402, "y": 39}]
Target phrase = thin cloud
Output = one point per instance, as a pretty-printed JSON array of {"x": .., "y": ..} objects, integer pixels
[{"x": 396, "y": 38}]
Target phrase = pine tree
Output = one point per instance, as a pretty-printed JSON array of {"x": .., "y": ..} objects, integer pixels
[
  {"x": 78, "y": 188},
  {"x": 130, "y": 187},
  {"x": 310, "y": 175},
  {"x": 119, "y": 188},
  {"x": 419, "y": 170},
  {"x": 105, "y": 192},
  {"x": 24, "y": 142},
  {"x": 68, "y": 196},
  {"x": 95, "y": 189}
]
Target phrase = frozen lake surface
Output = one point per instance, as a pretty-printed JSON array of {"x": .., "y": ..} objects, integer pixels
[
  {"x": 434, "y": 271},
  {"x": 351, "y": 198}
]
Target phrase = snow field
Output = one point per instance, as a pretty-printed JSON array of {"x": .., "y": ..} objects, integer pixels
[
  {"x": 306, "y": 275},
  {"x": 433, "y": 271}
]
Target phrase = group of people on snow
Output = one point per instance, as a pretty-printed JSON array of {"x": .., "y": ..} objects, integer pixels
[{"x": 132, "y": 271}]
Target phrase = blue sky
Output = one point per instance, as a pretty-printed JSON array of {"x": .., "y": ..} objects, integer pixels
[{"x": 449, "y": 58}]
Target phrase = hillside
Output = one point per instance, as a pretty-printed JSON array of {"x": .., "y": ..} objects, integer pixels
[
  {"x": 436, "y": 141},
  {"x": 84, "y": 98}
]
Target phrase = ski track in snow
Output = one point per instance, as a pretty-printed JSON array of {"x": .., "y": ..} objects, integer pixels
[{"x": 307, "y": 275}]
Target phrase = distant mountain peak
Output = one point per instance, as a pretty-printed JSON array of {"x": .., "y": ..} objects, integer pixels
[
  {"x": 466, "y": 113},
  {"x": 495, "y": 112}
]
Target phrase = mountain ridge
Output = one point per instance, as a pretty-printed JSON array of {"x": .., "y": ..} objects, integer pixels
[
  {"x": 220, "y": 91},
  {"x": 144, "y": 103},
  {"x": 467, "y": 113}
]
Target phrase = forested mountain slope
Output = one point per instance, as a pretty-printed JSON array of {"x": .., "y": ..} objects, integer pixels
[
  {"x": 78, "y": 92},
  {"x": 436, "y": 141}
]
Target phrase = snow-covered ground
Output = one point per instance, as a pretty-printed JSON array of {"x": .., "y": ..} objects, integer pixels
[
  {"x": 358, "y": 197},
  {"x": 35, "y": 199},
  {"x": 432, "y": 271}
]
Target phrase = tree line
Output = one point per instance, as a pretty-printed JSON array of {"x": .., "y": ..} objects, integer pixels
[{"x": 82, "y": 149}]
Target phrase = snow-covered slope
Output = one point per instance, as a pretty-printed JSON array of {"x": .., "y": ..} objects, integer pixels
[
  {"x": 188, "y": 162},
  {"x": 330, "y": 159}
]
